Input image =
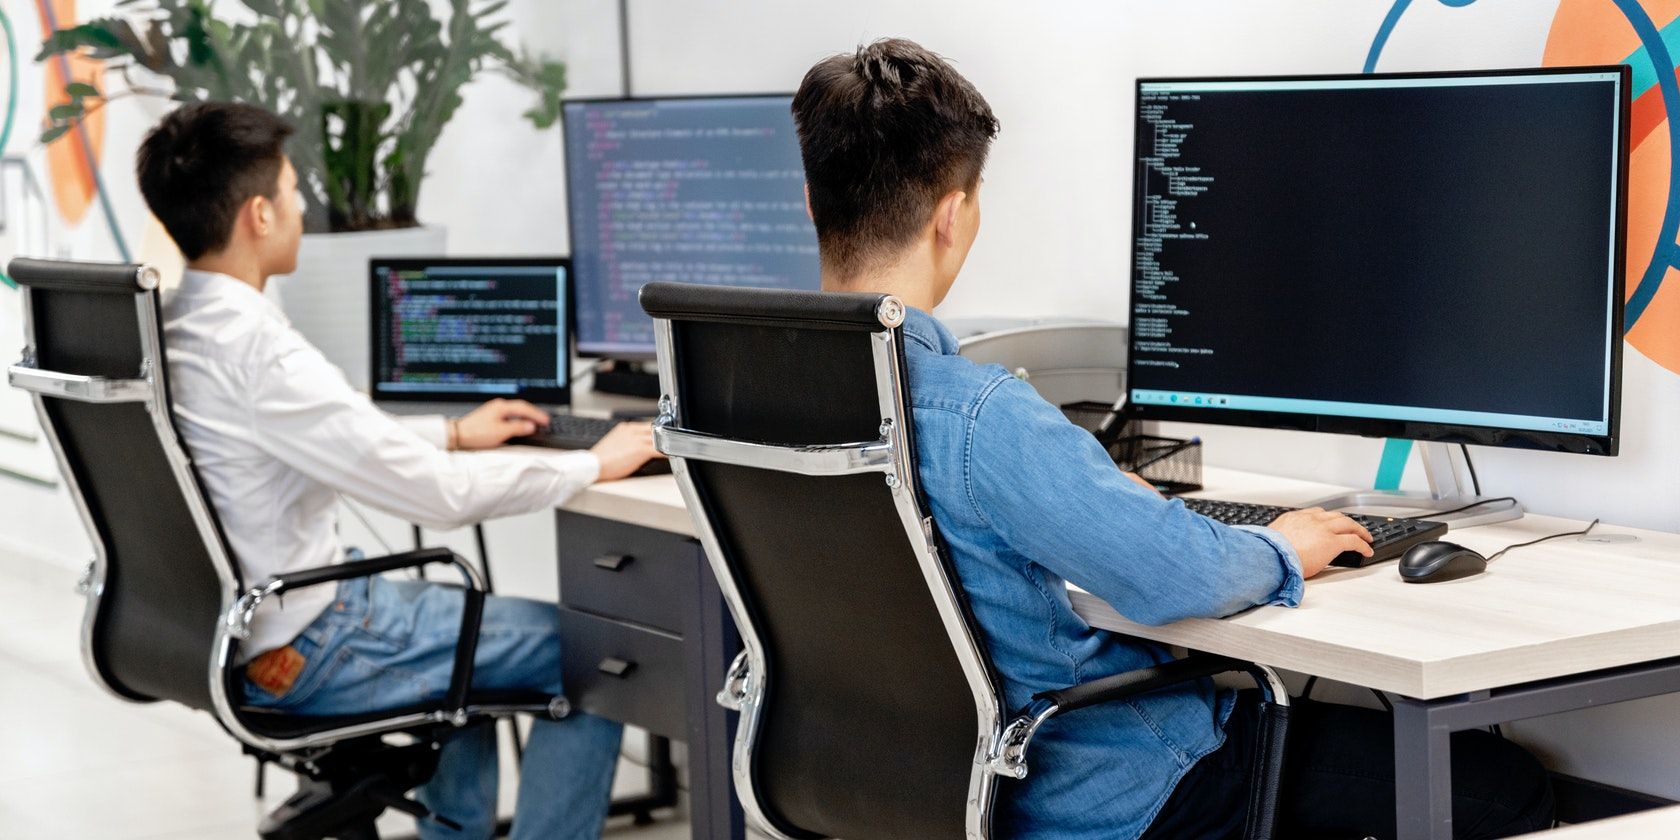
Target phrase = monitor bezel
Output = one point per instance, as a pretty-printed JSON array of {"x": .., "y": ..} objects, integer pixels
[
  {"x": 542, "y": 396},
  {"x": 1606, "y": 444},
  {"x": 571, "y": 230}
]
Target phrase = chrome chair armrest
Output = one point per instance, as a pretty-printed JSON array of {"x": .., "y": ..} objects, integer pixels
[
  {"x": 244, "y": 610},
  {"x": 1144, "y": 680},
  {"x": 1008, "y": 756}
]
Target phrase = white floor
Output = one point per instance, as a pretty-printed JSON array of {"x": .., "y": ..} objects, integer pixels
[{"x": 77, "y": 763}]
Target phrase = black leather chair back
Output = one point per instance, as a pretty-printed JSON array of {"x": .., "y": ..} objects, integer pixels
[
  {"x": 867, "y": 724},
  {"x": 157, "y": 592}
]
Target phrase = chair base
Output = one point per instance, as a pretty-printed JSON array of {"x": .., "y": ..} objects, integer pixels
[{"x": 344, "y": 792}]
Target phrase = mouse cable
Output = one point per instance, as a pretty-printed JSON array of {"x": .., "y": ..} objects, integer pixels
[{"x": 1583, "y": 532}]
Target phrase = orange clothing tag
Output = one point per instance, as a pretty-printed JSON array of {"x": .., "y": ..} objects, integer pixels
[{"x": 276, "y": 670}]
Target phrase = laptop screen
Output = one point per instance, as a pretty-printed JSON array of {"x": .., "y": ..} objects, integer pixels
[{"x": 469, "y": 330}]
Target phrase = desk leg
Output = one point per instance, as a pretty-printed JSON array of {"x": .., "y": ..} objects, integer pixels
[
  {"x": 713, "y": 810},
  {"x": 1422, "y": 773}
]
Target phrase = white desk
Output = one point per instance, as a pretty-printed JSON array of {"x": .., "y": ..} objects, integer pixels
[
  {"x": 650, "y": 501},
  {"x": 1550, "y": 610},
  {"x": 1647, "y": 825},
  {"x": 1558, "y": 626}
]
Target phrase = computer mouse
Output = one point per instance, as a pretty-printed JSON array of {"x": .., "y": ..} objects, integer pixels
[{"x": 1437, "y": 560}]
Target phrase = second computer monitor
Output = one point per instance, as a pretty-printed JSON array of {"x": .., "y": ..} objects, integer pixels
[
  {"x": 1427, "y": 256},
  {"x": 684, "y": 189}
]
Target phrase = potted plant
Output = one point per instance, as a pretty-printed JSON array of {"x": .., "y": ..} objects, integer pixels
[{"x": 369, "y": 84}]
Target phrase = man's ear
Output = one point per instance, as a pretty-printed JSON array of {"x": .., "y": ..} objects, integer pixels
[
  {"x": 808, "y": 213},
  {"x": 946, "y": 216},
  {"x": 258, "y": 214}
]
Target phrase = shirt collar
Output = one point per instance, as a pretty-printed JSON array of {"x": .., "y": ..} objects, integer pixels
[
  {"x": 229, "y": 290},
  {"x": 926, "y": 330}
]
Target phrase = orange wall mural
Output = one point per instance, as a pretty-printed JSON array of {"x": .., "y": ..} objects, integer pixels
[
  {"x": 1606, "y": 32},
  {"x": 69, "y": 169}
]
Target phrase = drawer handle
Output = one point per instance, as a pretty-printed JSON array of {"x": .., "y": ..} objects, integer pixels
[
  {"x": 613, "y": 666},
  {"x": 613, "y": 562}
]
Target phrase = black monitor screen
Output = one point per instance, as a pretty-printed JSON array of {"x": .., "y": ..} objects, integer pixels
[
  {"x": 470, "y": 329},
  {"x": 1438, "y": 253},
  {"x": 702, "y": 190}
]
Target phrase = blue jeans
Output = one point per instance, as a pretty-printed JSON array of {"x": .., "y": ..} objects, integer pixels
[{"x": 390, "y": 643}]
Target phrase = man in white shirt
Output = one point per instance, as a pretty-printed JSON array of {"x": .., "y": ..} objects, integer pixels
[{"x": 277, "y": 434}]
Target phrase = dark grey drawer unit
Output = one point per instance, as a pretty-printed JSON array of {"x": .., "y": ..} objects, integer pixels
[
  {"x": 631, "y": 574},
  {"x": 627, "y": 673},
  {"x": 646, "y": 640}
]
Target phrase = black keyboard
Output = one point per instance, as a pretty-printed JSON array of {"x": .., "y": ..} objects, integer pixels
[
  {"x": 1391, "y": 535},
  {"x": 570, "y": 431}
]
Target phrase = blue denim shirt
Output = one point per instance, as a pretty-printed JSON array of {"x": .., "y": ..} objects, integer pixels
[{"x": 1027, "y": 502}]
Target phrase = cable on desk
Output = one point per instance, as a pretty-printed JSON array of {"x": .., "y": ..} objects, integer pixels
[
  {"x": 1581, "y": 533},
  {"x": 1496, "y": 500}
]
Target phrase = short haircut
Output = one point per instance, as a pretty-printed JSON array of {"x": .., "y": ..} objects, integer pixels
[
  {"x": 203, "y": 162},
  {"x": 885, "y": 132}
]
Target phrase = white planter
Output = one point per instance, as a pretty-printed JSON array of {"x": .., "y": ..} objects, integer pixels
[{"x": 327, "y": 298}]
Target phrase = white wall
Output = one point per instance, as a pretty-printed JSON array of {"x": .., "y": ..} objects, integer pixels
[{"x": 1056, "y": 235}]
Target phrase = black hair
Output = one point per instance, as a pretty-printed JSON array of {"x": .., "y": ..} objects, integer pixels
[
  {"x": 885, "y": 132},
  {"x": 202, "y": 162}
]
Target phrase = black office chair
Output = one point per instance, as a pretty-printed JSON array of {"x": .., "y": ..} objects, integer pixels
[
  {"x": 166, "y": 606},
  {"x": 869, "y": 707}
]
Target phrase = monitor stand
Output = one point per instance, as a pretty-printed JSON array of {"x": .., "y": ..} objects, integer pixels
[
  {"x": 1447, "y": 491},
  {"x": 632, "y": 379}
]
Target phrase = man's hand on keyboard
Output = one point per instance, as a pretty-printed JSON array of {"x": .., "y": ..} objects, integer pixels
[
  {"x": 490, "y": 425},
  {"x": 1318, "y": 535},
  {"x": 624, "y": 450}
]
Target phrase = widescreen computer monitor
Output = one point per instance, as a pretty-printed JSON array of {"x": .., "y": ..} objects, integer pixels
[
  {"x": 687, "y": 190},
  {"x": 468, "y": 330},
  {"x": 1428, "y": 256}
]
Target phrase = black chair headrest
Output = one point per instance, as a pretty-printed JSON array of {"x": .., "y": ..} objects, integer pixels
[
  {"x": 97, "y": 277},
  {"x": 818, "y": 310}
]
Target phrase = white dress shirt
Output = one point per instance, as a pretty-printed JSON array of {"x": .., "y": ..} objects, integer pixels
[{"x": 277, "y": 433}]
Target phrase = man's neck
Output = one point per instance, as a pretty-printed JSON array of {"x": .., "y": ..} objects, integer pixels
[
  {"x": 245, "y": 270},
  {"x": 907, "y": 280}
]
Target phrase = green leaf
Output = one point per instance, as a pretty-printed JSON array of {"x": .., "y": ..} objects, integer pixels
[
  {"x": 81, "y": 89},
  {"x": 95, "y": 34},
  {"x": 543, "y": 117},
  {"x": 67, "y": 111},
  {"x": 54, "y": 133}
]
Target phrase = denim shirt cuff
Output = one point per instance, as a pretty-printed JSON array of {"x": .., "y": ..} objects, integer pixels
[{"x": 1289, "y": 593}]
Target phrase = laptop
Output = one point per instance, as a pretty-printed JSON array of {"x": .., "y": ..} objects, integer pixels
[{"x": 450, "y": 333}]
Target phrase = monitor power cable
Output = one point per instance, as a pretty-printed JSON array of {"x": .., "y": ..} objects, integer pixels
[
  {"x": 1475, "y": 483},
  {"x": 1496, "y": 500}
]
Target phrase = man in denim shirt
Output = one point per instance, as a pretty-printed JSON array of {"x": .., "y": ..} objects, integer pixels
[{"x": 893, "y": 141}]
